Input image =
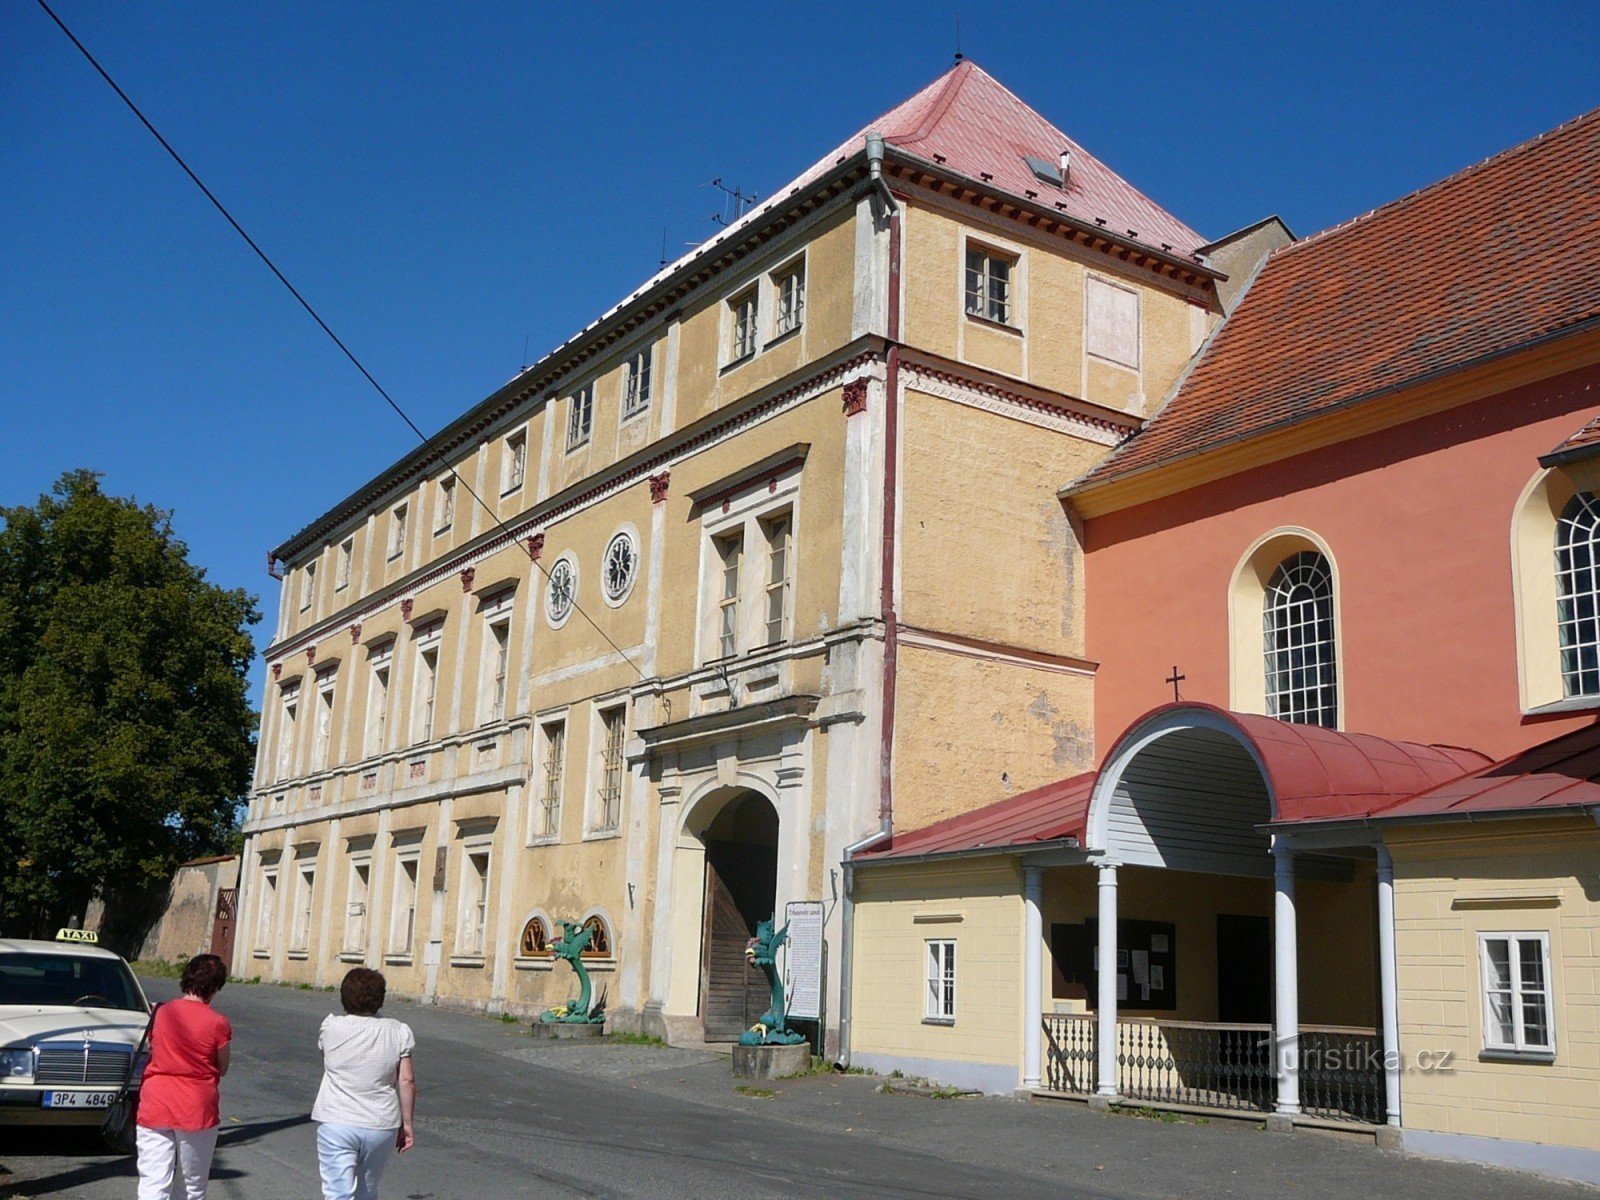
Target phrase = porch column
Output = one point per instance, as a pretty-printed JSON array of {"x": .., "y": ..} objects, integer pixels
[
  {"x": 1387, "y": 986},
  {"x": 1106, "y": 1027},
  {"x": 1032, "y": 976},
  {"x": 1286, "y": 984}
]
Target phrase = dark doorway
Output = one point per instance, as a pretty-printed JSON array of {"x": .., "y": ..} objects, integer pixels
[
  {"x": 223, "y": 925},
  {"x": 741, "y": 889},
  {"x": 1244, "y": 969}
]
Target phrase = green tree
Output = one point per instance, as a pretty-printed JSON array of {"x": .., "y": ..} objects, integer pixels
[{"x": 126, "y": 736}]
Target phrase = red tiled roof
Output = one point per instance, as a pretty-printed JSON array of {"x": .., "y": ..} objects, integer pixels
[
  {"x": 967, "y": 122},
  {"x": 1046, "y": 814},
  {"x": 1494, "y": 257},
  {"x": 1561, "y": 773},
  {"x": 1582, "y": 444}
]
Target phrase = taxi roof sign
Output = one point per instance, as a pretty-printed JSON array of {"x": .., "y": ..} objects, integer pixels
[{"x": 78, "y": 935}]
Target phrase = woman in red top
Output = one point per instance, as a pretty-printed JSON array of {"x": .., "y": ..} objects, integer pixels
[{"x": 178, "y": 1101}]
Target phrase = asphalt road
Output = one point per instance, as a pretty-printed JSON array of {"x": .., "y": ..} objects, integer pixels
[{"x": 502, "y": 1116}]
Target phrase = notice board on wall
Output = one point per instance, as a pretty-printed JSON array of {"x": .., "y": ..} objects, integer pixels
[{"x": 1147, "y": 957}]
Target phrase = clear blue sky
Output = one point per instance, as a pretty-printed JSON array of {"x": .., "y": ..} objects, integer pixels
[{"x": 447, "y": 181}]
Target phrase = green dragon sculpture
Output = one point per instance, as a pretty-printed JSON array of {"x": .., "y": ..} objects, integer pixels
[
  {"x": 773, "y": 1027},
  {"x": 574, "y": 940}
]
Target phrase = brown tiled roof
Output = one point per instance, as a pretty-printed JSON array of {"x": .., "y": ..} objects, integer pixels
[
  {"x": 1502, "y": 254},
  {"x": 1583, "y": 444}
]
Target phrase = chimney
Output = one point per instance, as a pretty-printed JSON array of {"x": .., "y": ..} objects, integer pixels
[{"x": 1066, "y": 165}]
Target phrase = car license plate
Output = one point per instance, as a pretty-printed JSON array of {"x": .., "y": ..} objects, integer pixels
[{"x": 79, "y": 1099}]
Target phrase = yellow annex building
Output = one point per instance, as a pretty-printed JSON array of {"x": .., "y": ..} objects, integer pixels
[{"x": 769, "y": 561}]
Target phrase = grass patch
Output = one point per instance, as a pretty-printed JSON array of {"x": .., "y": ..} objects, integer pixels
[
  {"x": 744, "y": 1089},
  {"x": 1149, "y": 1114},
  {"x": 156, "y": 969},
  {"x": 635, "y": 1039},
  {"x": 508, "y": 1018}
]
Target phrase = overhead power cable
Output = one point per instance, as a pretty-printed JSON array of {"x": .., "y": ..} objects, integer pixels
[{"x": 427, "y": 442}]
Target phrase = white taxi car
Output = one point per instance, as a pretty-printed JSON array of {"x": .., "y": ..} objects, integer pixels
[{"x": 72, "y": 1017}]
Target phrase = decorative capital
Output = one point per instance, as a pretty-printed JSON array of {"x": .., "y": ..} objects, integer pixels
[
  {"x": 536, "y": 546},
  {"x": 277, "y": 669},
  {"x": 355, "y": 633},
  {"x": 855, "y": 397},
  {"x": 658, "y": 487},
  {"x": 467, "y": 576},
  {"x": 311, "y": 655},
  {"x": 405, "y": 608}
]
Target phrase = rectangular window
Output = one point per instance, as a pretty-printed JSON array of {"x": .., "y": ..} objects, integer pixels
[
  {"x": 447, "y": 505},
  {"x": 347, "y": 552},
  {"x": 498, "y": 666},
  {"x": 742, "y": 324},
  {"x": 324, "y": 731},
  {"x": 377, "y": 740},
  {"x": 1111, "y": 322},
  {"x": 516, "y": 467},
  {"x": 291, "y": 707},
  {"x": 941, "y": 998},
  {"x": 403, "y": 917},
  {"x": 475, "y": 904},
  {"x": 580, "y": 416},
  {"x": 555, "y": 750},
  {"x": 613, "y": 722},
  {"x": 427, "y": 692},
  {"x": 305, "y": 885},
  {"x": 730, "y": 550},
  {"x": 1517, "y": 1004},
  {"x": 308, "y": 585},
  {"x": 397, "y": 533},
  {"x": 636, "y": 384},
  {"x": 989, "y": 285},
  {"x": 355, "y": 907},
  {"x": 789, "y": 298},
  {"x": 268, "y": 909},
  {"x": 779, "y": 557}
]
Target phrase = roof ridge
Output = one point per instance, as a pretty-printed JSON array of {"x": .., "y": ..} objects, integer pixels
[{"x": 1454, "y": 177}]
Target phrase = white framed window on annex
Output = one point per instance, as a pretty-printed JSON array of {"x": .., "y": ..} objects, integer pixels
[
  {"x": 1518, "y": 995},
  {"x": 992, "y": 281},
  {"x": 747, "y": 569}
]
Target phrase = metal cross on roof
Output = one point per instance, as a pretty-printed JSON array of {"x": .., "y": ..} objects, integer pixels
[{"x": 1175, "y": 679}]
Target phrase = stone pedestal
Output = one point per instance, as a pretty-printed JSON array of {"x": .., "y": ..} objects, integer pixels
[
  {"x": 562, "y": 1030},
  {"x": 771, "y": 1062}
]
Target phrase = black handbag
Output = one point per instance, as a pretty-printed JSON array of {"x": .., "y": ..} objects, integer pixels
[{"x": 118, "y": 1129}]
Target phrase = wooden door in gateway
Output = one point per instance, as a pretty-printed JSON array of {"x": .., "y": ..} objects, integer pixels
[{"x": 740, "y": 881}]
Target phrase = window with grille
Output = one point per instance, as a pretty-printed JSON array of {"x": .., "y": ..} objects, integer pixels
[
  {"x": 516, "y": 462},
  {"x": 355, "y": 907},
  {"x": 555, "y": 753},
  {"x": 308, "y": 585},
  {"x": 779, "y": 557},
  {"x": 613, "y": 723},
  {"x": 789, "y": 298},
  {"x": 1578, "y": 594},
  {"x": 403, "y": 920},
  {"x": 989, "y": 285},
  {"x": 1297, "y": 629},
  {"x": 397, "y": 532},
  {"x": 1517, "y": 1008},
  {"x": 580, "y": 417},
  {"x": 742, "y": 312},
  {"x": 729, "y": 550},
  {"x": 347, "y": 550},
  {"x": 447, "y": 504},
  {"x": 636, "y": 384},
  {"x": 941, "y": 995}
]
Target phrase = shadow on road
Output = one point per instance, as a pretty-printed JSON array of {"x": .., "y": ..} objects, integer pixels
[{"x": 95, "y": 1165}]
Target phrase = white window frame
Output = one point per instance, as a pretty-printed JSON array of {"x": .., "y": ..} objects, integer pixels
[
  {"x": 305, "y": 898},
  {"x": 544, "y": 822},
  {"x": 1290, "y": 633},
  {"x": 611, "y": 774},
  {"x": 1577, "y": 635},
  {"x": 308, "y": 585},
  {"x": 747, "y": 517},
  {"x": 1494, "y": 1045},
  {"x": 357, "y": 893},
  {"x": 425, "y": 687},
  {"x": 267, "y": 912},
  {"x": 580, "y": 417},
  {"x": 728, "y": 551},
  {"x": 939, "y": 981},
  {"x": 288, "y": 719},
  {"x": 514, "y": 472},
  {"x": 472, "y": 921},
  {"x": 978, "y": 302},
  {"x": 638, "y": 383},
  {"x": 380, "y": 688},
  {"x": 788, "y": 319},
  {"x": 346, "y": 555},
  {"x": 782, "y": 587},
  {"x": 743, "y": 337},
  {"x": 397, "y": 531},
  {"x": 495, "y": 681},
  {"x": 322, "y": 745},
  {"x": 446, "y": 504},
  {"x": 395, "y": 948}
]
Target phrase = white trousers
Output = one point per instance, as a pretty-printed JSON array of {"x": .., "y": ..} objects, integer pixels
[
  {"x": 351, "y": 1160},
  {"x": 175, "y": 1164}
]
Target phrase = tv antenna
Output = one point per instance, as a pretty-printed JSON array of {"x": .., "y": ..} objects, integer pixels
[{"x": 734, "y": 200}]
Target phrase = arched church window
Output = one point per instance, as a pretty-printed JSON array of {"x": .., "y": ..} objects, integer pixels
[
  {"x": 1298, "y": 636},
  {"x": 600, "y": 944},
  {"x": 535, "y": 941},
  {"x": 1578, "y": 594}
]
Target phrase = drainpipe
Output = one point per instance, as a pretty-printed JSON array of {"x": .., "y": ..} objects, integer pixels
[{"x": 890, "y": 623}]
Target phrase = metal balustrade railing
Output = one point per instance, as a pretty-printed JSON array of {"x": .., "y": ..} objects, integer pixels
[
  {"x": 1341, "y": 1073},
  {"x": 1225, "y": 1066}
]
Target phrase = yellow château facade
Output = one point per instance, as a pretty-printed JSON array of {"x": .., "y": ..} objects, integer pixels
[{"x": 759, "y": 552}]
